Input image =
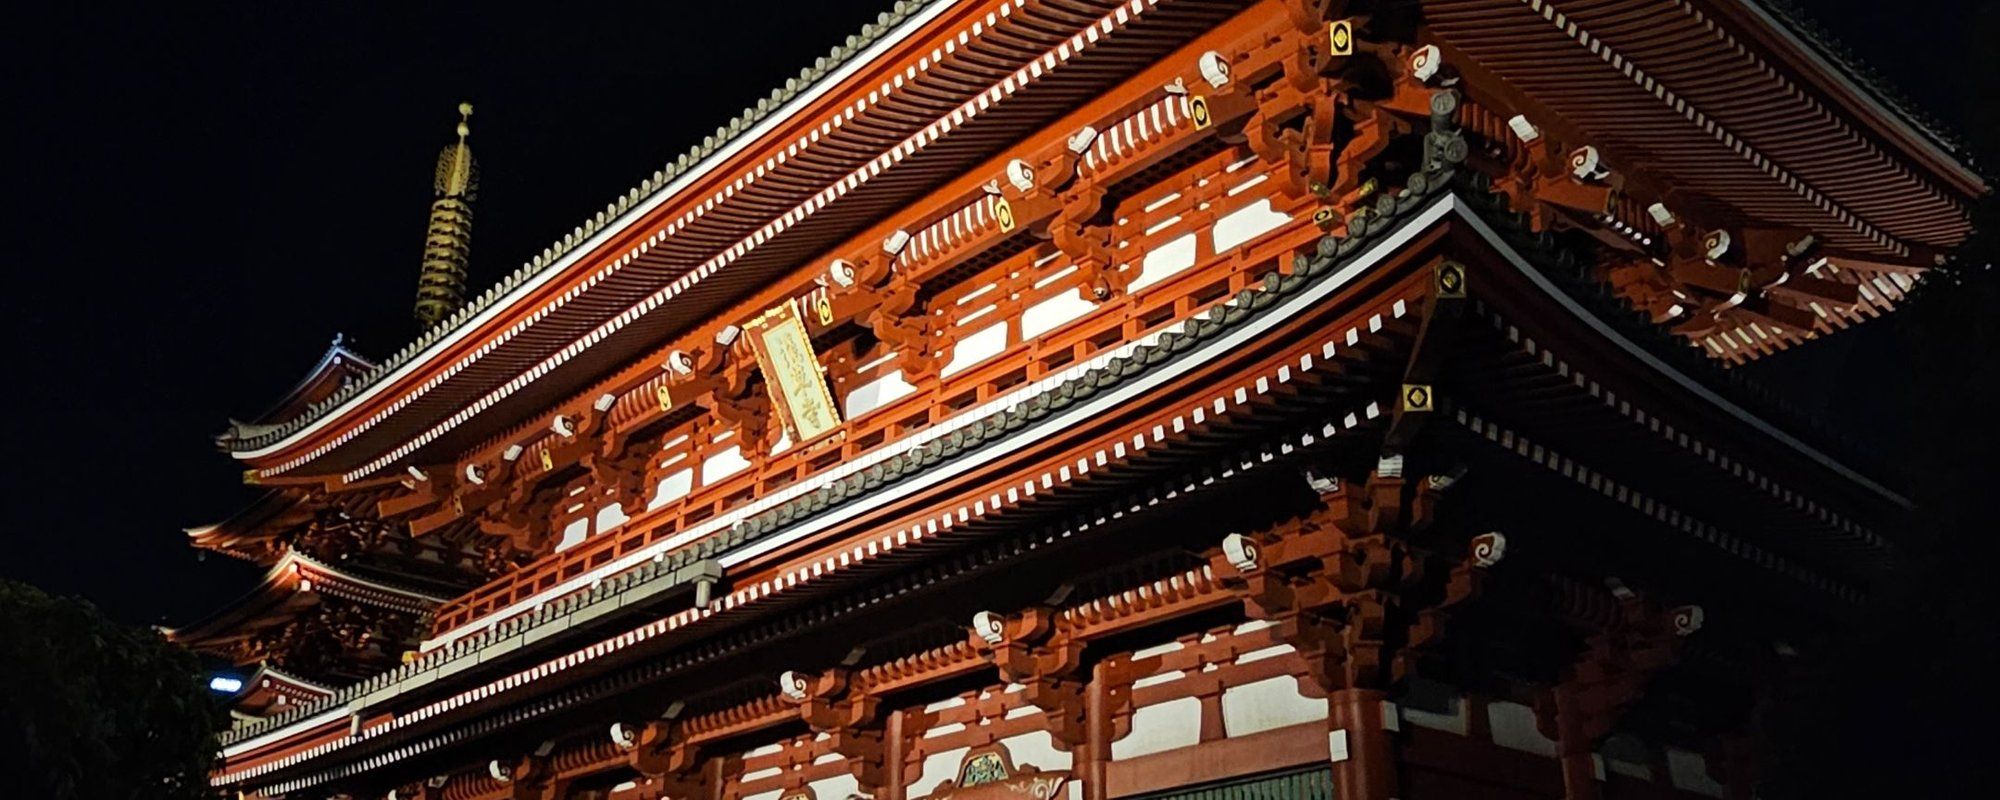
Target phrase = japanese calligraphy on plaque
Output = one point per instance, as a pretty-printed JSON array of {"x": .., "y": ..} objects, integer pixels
[{"x": 792, "y": 372}]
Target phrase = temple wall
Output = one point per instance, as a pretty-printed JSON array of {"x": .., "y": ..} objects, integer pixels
[{"x": 1226, "y": 704}]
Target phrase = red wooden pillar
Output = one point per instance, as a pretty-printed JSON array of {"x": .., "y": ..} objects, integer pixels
[
  {"x": 1575, "y": 746},
  {"x": 1359, "y": 744}
]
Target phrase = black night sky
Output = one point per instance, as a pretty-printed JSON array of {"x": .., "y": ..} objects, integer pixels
[{"x": 204, "y": 197}]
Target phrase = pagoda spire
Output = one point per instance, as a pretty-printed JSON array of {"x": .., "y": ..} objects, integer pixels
[{"x": 448, "y": 244}]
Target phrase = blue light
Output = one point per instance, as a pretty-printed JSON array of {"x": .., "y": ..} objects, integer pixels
[{"x": 225, "y": 684}]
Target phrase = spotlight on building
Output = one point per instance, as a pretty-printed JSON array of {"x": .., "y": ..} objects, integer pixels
[{"x": 225, "y": 684}]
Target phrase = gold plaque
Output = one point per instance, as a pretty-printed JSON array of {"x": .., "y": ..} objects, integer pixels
[
  {"x": 1004, "y": 212},
  {"x": 1198, "y": 111},
  {"x": 792, "y": 373},
  {"x": 548, "y": 461},
  {"x": 666, "y": 397},
  {"x": 1340, "y": 38}
]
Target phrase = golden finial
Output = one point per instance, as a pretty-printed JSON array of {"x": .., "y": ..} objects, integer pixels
[{"x": 448, "y": 244}]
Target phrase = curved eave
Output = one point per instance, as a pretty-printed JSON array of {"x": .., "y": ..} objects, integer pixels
[
  {"x": 1889, "y": 117},
  {"x": 289, "y": 587},
  {"x": 247, "y": 533},
  {"x": 268, "y": 687},
  {"x": 335, "y": 369},
  {"x": 1717, "y": 107}
]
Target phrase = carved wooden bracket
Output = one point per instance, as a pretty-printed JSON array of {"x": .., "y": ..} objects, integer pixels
[
  {"x": 907, "y": 328},
  {"x": 659, "y": 751},
  {"x": 1607, "y": 678},
  {"x": 1030, "y": 649},
  {"x": 1079, "y": 233},
  {"x": 851, "y": 719},
  {"x": 1344, "y": 587}
]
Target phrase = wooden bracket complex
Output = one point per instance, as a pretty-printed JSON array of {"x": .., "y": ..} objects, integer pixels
[
  {"x": 1358, "y": 603},
  {"x": 1033, "y": 650},
  {"x": 670, "y": 765},
  {"x": 850, "y": 718},
  {"x": 1618, "y": 660}
]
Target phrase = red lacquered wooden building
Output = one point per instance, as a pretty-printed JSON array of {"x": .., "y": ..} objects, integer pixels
[{"x": 1092, "y": 399}]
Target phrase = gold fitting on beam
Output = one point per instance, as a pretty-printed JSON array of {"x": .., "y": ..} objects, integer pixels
[
  {"x": 1449, "y": 279},
  {"x": 1417, "y": 397}
]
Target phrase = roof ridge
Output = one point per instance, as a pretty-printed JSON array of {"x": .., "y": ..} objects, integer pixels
[{"x": 648, "y": 188}]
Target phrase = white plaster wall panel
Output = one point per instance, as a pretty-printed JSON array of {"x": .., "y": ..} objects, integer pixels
[
  {"x": 673, "y": 487},
  {"x": 1265, "y": 652},
  {"x": 1144, "y": 653},
  {"x": 1455, "y": 721},
  {"x": 1161, "y": 727},
  {"x": 877, "y": 393},
  {"x": 1165, "y": 261},
  {"x": 936, "y": 731},
  {"x": 1514, "y": 727},
  {"x": 938, "y": 768},
  {"x": 1689, "y": 772},
  {"x": 838, "y": 787},
  {"x": 1052, "y": 313},
  {"x": 1155, "y": 680},
  {"x": 975, "y": 347},
  {"x": 1629, "y": 769},
  {"x": 609, "y": 517},
  {"x": 1244, "y": 224},
  {"x": 573, "y": 534},
  {"x": 722, "y": 464},
  {"x": 1037, "y": 749},
  {"x": 1267, "y": 705}
]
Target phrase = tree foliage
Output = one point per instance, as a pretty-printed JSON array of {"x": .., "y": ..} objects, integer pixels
[{"x": 92, "y": 708}]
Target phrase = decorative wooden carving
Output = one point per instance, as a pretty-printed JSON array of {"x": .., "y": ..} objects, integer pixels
[
  {"x": 1030, "y": 649},
  {"x": 1357, "y": 602},
  {"x": 1610, "y": 675},
  {"x": 988, "y": 773},
  {"x": 830, "y": 705},
  {"x": 660, "y": 752}
]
